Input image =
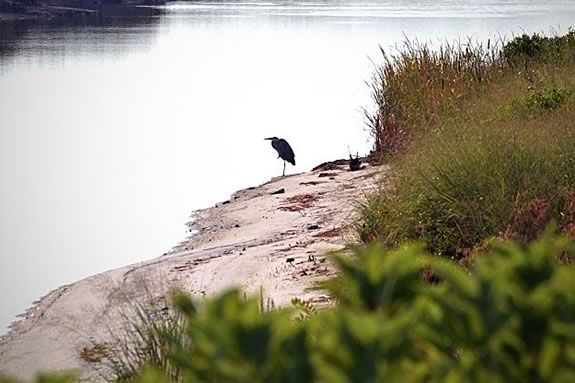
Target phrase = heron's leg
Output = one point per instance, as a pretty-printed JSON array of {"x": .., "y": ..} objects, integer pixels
[{"x": 284, "y": 173}]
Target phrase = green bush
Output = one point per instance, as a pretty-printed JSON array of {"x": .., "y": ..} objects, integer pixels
[
  {"x": 233, "y": 341},
  {"x": 540, "y": 47},
  {"x": 509, "y": 318},
  {"x": 546, "y": 99},
  {"x": 525, "y": 45}
]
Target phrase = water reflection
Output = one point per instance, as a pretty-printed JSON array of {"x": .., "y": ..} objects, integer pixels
[{"x": 112, "y": 32}]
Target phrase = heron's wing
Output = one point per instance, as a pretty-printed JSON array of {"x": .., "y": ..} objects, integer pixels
[{"x": 285, "y": 151}]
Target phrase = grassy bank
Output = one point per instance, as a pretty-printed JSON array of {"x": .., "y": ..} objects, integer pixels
[{"x": 481, "y": 141}]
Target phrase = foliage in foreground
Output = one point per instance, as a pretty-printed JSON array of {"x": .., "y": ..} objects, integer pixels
[
  {"x": 510, "y": 318},
  {"x": 144, "y": 339},
  {"x": 44, "y": 378}
]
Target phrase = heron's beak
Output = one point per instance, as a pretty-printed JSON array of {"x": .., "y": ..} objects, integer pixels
[{"x": 269, "y": 138}]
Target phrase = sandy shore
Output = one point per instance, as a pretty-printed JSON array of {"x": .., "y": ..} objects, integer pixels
[{"x": 243, "y": 242}]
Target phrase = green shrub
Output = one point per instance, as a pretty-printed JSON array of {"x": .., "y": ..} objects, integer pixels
[
  {"x": 546, "y": 99},
  {"x": 525, "y": 45},
  {"x": 544, "y": 48},
  {"x": 234, "y": 341},
  {"x": 509, "y": 318}
]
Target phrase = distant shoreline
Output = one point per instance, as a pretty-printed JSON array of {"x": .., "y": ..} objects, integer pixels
[{"x": 76, "y": 10}]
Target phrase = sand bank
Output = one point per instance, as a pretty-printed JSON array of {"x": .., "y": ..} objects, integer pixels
[{"x": 243, "y": 242}]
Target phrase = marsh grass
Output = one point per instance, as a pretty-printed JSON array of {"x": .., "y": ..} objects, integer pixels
[
  {"x": 146, "y": 338},
  {"x": 489, "y": 147},
  {"x": 471, "y": 188},
  {"x": 151, "y": 333},
  {"x": 414, "y": 87},
  {"x": 372, "y": 212}
]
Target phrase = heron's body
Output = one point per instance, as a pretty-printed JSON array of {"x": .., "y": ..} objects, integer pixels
[{"x": 285, "y": 152}]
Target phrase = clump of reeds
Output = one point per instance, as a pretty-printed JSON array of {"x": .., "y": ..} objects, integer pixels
[
  {"x": 415, "y": 86},
  {"x": 418, "y": 86},
  {"x": 149, "y": 332}
]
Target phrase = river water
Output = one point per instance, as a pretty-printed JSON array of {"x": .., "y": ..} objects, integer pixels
[{"x": 112, "y": 131}]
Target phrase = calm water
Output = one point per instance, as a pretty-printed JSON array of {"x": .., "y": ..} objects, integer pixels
[{"x": 111, "y": 132}]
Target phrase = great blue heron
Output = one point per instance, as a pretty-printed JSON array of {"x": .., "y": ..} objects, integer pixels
[{"x": 285, "y": 151}]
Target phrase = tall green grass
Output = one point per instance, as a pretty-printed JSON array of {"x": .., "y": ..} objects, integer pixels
[
  {"x": 488, "y": 143},
  {"x": 469, "y": 188}
]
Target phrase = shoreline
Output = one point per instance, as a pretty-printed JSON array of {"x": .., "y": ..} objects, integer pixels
[{"x": 245, "y": 242}]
